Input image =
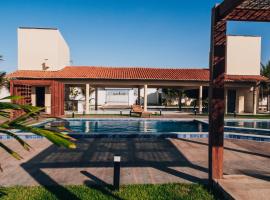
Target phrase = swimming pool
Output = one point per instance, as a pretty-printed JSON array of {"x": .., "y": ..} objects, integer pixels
[
  {"x": 108, "y": 126},
  {"x": 262, "y": 124},
  {"x": 150, "y": 128}
]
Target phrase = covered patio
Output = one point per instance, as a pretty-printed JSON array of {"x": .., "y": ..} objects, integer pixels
[{"x": 241, "y": 91}]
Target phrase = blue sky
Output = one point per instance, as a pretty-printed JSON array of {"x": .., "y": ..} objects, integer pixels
[{"x": 156, "y": 33}]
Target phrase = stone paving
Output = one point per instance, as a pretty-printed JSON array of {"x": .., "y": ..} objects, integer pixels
[
  {"x": 143, "y": 161},
  {"x": 243, "y": 187}
]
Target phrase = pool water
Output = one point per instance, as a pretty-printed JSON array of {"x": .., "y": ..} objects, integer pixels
[
  {"x": 132, "y": 126},
  {"x": 249, "y": 124}
]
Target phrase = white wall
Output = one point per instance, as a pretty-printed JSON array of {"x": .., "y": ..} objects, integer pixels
[
  {"x": 4, "y": 92},
  {"x": 243, "y": 55},
  {"x": 37, "y": 45},
  {"x": 47, "y": 100}
]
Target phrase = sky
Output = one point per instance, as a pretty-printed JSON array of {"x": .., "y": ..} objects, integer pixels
[{"x": 147, "y": 33}]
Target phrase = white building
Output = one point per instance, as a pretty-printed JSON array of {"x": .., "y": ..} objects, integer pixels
[
  {"x": 243, "y": 58},
  {"x": 42, "y": 49},
  {"x": 46, "y": 54}
]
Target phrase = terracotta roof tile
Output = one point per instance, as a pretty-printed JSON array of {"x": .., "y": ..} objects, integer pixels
[{"x": 84, "y": 72}]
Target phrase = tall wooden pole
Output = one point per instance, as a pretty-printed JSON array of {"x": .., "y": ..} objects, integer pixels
[{"x": 216, "y": 96}]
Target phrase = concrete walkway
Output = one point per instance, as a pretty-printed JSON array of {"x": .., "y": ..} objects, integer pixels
[
  {"x": 143, "y": 161},
  {"x": 242, "y": 187}
]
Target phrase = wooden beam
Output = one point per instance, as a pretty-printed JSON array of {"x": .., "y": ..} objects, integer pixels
[
  {"x": 252, "y": 15},
  {"x": 33, "y": 82},
  {"x": 227, "y": 6}
]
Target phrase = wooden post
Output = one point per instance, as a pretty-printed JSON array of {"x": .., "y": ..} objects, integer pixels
[{"x": 216, "y": 96}]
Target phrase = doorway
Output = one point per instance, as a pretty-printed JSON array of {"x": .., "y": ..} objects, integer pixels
[
  {"x": 231, "y": 101},
  {"x": 40, "y": 96}
]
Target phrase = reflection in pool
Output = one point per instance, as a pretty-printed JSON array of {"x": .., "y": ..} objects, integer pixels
[
  {"x": 249, "y": 124},
  {"x": 133, "y": 126}
]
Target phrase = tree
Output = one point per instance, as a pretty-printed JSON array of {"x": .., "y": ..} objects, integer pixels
[
  {"x": 7, "y": 123},
  {"x": 265, "y": 89},
  {"x": 172, "y": 95},
  {"x": 1, "y": 58}
]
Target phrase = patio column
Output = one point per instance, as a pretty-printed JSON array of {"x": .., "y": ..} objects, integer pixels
[
  {"x": 226, "y": 100},
  {"x": 200, "y": 99},
  {"x": 139, "y": 96},
  {"x": 87, "y": 99},
  {"x": 255, "y": 98},
  {"x": 145, "y": 98},
  {"x": 96, "y": 98}
]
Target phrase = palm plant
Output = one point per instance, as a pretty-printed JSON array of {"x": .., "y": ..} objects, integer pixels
[
  {"x": 265, "y": 71},
  {"x": 7, "y": 123}
]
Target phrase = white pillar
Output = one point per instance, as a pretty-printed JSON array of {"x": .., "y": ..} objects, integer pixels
[
  {"x": 145, "y": 98},
  {"x": 255, "y": 98},
  {"x": 226, "y": 100},
  {"x": 200, "y": 99},
  {"x": 87, "y": 99}
]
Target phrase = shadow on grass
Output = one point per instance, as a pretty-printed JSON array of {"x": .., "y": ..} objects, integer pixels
[
  {"x": 99, "y": 185},
  {"x": 2, "y": 193}
]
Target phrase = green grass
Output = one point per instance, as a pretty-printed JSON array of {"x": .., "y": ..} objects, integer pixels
[{"x": 132, "y": 192}]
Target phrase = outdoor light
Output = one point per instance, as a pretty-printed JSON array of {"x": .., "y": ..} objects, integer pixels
[{"x": 116, "y": 171}]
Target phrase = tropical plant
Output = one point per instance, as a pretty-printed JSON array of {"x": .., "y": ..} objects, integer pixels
[
  {"x": 265, "y": 69},
  {"x": 265, "y": 89},
  {"x": 1, "y": 57},
  {"x": 8, "y": 124}
]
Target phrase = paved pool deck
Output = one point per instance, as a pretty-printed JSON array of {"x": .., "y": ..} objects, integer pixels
[{"x": 143, "y": 161}]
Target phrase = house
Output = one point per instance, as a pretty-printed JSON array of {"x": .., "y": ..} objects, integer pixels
[{"x": 46, "y": 79}]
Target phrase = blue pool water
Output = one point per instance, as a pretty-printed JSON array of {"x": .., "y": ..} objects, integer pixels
[
  {"x": 249, "y": 124},
  {"x": 141, "y": 128},
  {"x": 132, "y": 126}
]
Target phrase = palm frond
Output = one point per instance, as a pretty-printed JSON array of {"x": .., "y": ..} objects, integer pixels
[
  {"x": 12, "y": 98},
  {"x": 4, "y": 114},
  {"x": 50, "y": 135},
  {"x": 10, "y": 151},
  {"x": 56, "y": 136},
  {"x": 30, "y": 113},
  {"x": 25, "y": 145},
  {"x": 11, "y": 106}
]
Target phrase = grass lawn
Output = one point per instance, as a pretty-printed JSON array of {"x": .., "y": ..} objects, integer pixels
[{"x": 138, "y": 192}]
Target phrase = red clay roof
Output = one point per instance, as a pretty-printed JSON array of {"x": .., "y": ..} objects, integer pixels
[{"x": 127, "y": 73}]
